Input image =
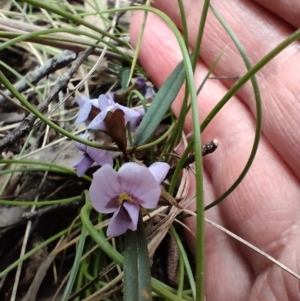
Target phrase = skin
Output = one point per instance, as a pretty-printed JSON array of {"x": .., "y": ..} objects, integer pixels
[{"x": 265, "y": 208}]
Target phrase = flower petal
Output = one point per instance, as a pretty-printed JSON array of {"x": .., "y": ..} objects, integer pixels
[
  {"x": 105, "y": 101},
  {"x": 125, "y": 217},
  {"x": 100, "y": 156},
  {"x": 130, "y": 115},
  {"x": 81, "y": 101},
  {"x": 83, "y": 113},
  {"x": 139, "y": 182},
  {"x": 141, "y": 111},
  {"x": 82, "y": 164},
  {"x": 98, "y": 122},
  {"x": 150, "y": 92},
  {"x": 134, "y": 121},
  {"x": 105, "y": 189},
  {"x": 128, "y": 112},
  {"x": 159, "y": 170},
  {"x": 110, "y": 97},
  {"x": 133, "y": 211},
  {"x": 95, "y": 103},
  {"x": 141, "y": 84}
]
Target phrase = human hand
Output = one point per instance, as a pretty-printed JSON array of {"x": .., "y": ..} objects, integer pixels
[{"x": 265, "y": 208}]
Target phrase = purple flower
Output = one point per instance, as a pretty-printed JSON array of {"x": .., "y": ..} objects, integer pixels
[
  {"x": 141, "y": 84},
  {"x": 106, "y": 103},
  {"x": 147, "y": 91},
  {"x": 123, "y": 193},
  {"x": 91, "y": 155},
  {"x": 85, "y": 105}
]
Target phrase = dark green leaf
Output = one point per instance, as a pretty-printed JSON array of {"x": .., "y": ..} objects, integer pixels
[
  {"x": 137, "y": 278},
  {"x": 160, "y": 104}
]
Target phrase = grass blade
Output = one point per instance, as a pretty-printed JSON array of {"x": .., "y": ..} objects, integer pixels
[
  {"x": 137, "y": 278},
  {"x": 160, "y": 104}
]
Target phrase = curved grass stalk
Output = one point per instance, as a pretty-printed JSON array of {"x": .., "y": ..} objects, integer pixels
[
  {"x": 46, "y": 164},
  {"x": 45, "y": 34}
]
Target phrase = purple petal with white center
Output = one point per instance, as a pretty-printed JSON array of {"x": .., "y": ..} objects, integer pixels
[
  {"x": 159, "y": 170},
  {"x": 100, "y": 156},
  {"x": 125, "y": 217},
  {"x": 140, "y": 184},
  {"x": 82, "y": 164},
  {"x": 105, "y": 189}
]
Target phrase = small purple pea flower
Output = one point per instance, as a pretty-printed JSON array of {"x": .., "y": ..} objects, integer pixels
[
  {"x": 123, "y": 193},
  {"x": 147, "y": 91},
  {"x": 106, "y": 103},
  {"x": 85, "y": 105},
  {"x": 90, "y": 155},
  {"x": 141, "y": 84}
]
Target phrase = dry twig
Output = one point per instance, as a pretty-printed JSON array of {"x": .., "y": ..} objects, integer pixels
[{"x": 55, "y": 63}]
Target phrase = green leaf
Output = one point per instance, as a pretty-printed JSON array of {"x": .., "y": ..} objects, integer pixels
[
  {"x": 160, "y": 104},
  {"x": 137, "y": 278},
  {"x": 76, "y": 264}
]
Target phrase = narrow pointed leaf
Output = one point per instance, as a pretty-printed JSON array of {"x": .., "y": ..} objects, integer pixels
[
  {"x": 160, "y": 104},
  {"x": 137, "y": 278}
]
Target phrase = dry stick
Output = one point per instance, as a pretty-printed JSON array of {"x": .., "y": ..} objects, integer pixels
[
  {"x": 207, "y": 148},
  {"x": 27, "y": 124},
  {"x": 55, "y": 63}
]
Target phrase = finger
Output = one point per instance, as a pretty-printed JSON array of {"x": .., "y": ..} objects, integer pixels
[
  {"x": 224, "y": 263},
  {"x": 158, "y": 44},
  {"x": 270, "y": 191},
  {"x": 287, "y": 10},
  {"x": 234, "y": 128},
  {"x": 259, "y": 31}
]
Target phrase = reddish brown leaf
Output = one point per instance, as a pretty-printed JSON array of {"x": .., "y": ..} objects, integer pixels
[{"x": 115, "y": 128}]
